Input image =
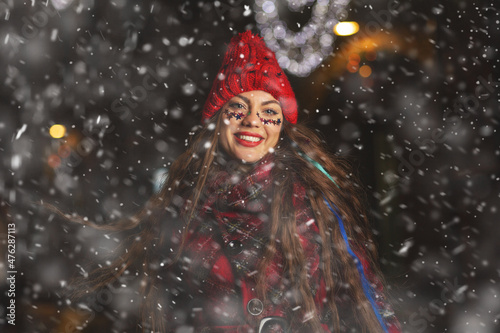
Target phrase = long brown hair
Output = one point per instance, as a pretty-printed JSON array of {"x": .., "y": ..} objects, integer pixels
[{"x": 187, "y": 179}]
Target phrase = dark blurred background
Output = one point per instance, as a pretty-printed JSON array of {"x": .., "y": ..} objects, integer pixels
[{"x": 411, "y": 99}]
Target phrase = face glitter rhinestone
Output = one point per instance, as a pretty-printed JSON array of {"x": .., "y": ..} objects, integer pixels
[
  {"x": 241, "y": 115},
  {"x": 236, "y": 115},
  {"x": 275, "y": 122}
]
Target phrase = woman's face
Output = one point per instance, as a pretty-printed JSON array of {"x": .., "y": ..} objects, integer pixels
[{"x": 251, "y": 125}]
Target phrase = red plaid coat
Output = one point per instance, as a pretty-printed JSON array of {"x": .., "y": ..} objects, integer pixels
[{"x": 212, "y": 288}]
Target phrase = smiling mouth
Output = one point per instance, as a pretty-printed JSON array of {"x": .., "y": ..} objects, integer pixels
[{"x": 248, "y": 139}]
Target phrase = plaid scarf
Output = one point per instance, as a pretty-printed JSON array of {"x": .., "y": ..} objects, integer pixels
[
  {"x": 226, "y": 241},
  {"x": 215, "y": 281},
  {"x": 235, "y": 208}
]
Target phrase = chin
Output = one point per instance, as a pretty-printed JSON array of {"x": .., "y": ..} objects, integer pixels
[{"x": 251, "y": 158}]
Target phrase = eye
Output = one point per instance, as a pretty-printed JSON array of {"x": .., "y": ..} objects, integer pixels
[
  {"x": 237, "y": 105},
  {"x": 270, "y": 112}
]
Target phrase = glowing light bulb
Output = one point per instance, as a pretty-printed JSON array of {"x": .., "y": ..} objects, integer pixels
[
  {"x": 57, "y": 131},
  {"x": 346, "y": 28}
]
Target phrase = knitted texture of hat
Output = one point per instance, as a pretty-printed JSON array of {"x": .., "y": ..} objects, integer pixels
[{"x": 249, "y": 65}]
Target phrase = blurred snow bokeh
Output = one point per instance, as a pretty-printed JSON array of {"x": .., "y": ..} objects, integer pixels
[{"x": 128, "y": 79}]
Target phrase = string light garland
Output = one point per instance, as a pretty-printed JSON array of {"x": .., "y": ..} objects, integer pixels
[{"x": 302, "y": 51}]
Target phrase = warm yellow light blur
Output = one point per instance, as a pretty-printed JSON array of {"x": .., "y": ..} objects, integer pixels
[
  {"x": 346, "y": 28},
  {"x": 365, "y": 71},
  {"x": 57, "y": 131}
]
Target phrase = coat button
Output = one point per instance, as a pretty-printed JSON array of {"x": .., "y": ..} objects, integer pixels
[
  {"x": 255, "y": 307},
  {"x": 234, "y": 247}
]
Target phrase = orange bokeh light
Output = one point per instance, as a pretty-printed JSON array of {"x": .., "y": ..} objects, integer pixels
[
  {"x": 354, "y": 58},
  {"x": 365, "y": 71},
  {"x": 54, "y": 161},
  {"x": 352, "y": 67}
]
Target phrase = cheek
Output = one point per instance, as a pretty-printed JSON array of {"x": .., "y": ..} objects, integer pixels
[
  {"x": 226, "y": 132},
  {"x": 273, "y": 132},
  {"x": 230, "y": 126}
]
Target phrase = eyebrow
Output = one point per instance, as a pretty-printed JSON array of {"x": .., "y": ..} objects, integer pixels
[{"x": 246, "y": 100}]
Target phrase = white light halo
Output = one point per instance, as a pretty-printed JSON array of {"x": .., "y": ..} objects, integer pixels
[
  {"x": 287, "y": 44},
  {"x": 61, "y": 4}
]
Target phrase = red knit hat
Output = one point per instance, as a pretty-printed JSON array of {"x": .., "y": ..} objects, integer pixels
[{"x": 250, "y": 65}]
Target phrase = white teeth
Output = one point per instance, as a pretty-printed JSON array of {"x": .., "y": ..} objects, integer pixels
[{"x": 249, "y": 138}]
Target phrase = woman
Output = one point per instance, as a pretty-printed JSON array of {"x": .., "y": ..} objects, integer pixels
[{"x": 257, "y": 228}]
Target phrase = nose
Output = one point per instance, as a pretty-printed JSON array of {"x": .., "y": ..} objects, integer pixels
[{"x": 251, "y": 119}]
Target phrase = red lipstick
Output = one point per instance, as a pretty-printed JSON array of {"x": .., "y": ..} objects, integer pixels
[{"x": 248, "y": 139}]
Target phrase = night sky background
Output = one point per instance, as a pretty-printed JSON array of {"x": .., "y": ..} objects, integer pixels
[{"x": 128, "y": 80}]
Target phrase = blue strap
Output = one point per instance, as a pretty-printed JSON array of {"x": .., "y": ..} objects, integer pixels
[{"x": 367, "y": 288}]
